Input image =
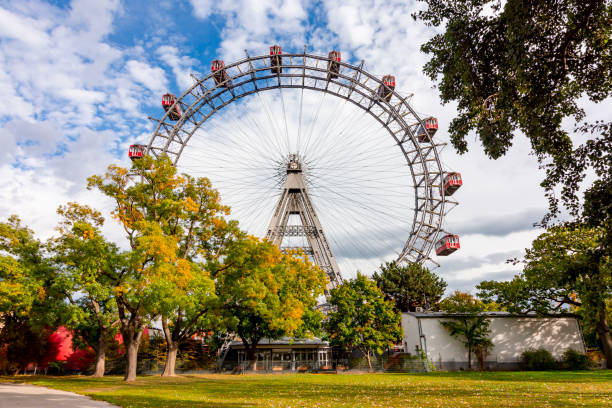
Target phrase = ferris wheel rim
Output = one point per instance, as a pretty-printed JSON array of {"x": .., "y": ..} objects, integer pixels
[{"x": 429, "y": 211}]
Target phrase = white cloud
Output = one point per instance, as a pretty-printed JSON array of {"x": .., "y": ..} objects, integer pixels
[
  {"x": 27, "y": 30},
  {"x": 152, "y": 77},
  {"x": 73, "y": 98},
  {"x": 182, "y": 66},
  {"x": 255, "y": 25}
]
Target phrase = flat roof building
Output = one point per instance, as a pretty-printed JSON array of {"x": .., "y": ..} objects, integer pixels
[{"x": 511, "y": 335}]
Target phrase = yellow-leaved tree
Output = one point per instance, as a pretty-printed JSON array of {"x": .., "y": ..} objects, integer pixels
[
  {"x": 174, "y": 224},
  {"x": 265, "y": 293}
]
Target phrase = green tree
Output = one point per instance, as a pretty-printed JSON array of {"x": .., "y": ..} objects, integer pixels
[
  {"x": 523, "y": 67},
  {"x": 28, "y": 304},
  {"x": 468, "y": 324},
  {"x": 410, "y": 286},
  {"x": 566, "y": 266},
  {"x": 88, "y": 267},
  {"x": 362, "y": 319},
  {"x": 266, "y": 294}
]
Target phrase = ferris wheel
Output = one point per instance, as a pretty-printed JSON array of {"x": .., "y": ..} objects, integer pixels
[{"x": 373, "y": 187}]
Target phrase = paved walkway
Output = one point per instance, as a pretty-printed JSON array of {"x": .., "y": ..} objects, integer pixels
[{"x": 30, "y": 396}]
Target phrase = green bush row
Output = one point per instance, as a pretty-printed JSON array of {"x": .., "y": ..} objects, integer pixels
[{"x": 541, "y": 359}]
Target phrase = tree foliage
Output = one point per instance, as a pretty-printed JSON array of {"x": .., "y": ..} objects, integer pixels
[
  {"x": 267, "y": 294},
  {"x": 566, "y": 266},
  {"x": 362, "y": 318},
  {"x": 87, "y": 270},
  {"x": 468, "y": 324},
  {"x": 28, "y": 302},
  {"x": 410, "y": 286},
  {"x": 517, "y": 66}
]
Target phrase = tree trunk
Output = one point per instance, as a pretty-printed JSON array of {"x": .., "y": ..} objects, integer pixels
[
  {"x": 251, "y": 356},
  {"x": 369, "y": 361},
  {"x": 170, "y": 364},
  {"x": 100, "y": 355},
  {"x": 131, "y": 358},
  {"x": 171, "y": 349},
  {"x": 131, "y": 340},
  {"x": 469, "y": 357},
  {"x": 603, "y": 330}
]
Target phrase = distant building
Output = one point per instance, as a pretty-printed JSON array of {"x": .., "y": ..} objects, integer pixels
[
  {"x": 511, "y": 334},
  {"x": 285, "y": 354}
]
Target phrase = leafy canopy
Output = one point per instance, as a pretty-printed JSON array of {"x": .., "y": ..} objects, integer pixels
[
  {"x": 28, "y": 301},
  {"x": 265, "y": 293},
  {"x": 87, "y": 268},
  {"x": 468, "y": 325},
  {"x": 410, "y": 286},
  {"x": 362, "y": 318},
  {"x": 565, "y": 266},
  {"x": 517, "y": 66}
]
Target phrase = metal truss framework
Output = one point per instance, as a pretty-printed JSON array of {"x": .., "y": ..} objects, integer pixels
[
  {"x": 294, "y": 200},
  {"x": 308, "y": 71}
]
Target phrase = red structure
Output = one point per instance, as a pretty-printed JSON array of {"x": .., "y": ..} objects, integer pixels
[
  {"x": 333, "y": 66},
  {"x": 217, "y": 67},
  {"x": 447, "y": 245},
  {"x": 452, "y": 182},
  {"x": 276, "y": 59},
  {"x": 168, "y": 103},
  {"x": 136, "y": 151},
  {"x": 59, "y": 348},
  {"x": 385, "y": 91},
  {"x": 431, "y": 127}
]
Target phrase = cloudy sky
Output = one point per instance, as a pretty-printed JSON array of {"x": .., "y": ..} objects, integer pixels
[{"x": 79, "y": 79}]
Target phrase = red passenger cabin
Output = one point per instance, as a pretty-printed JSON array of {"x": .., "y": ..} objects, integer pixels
[
  {"x": 452, "y": 182},
  {"x": 447, "y": 245},
  {"x": 385, "y": 91},
  {"x": 136, "y": 151},
  {"x": 217, "y": 67},
  {"x": 276, "y": 59},
  {"x": 333, "y": 66},
  {"x": 168, "y": 100},
  {"x": 431, "y": 127}
]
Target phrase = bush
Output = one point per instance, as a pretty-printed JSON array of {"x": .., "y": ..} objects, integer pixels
[
  {"x": 574, "y": 360},
  {"x": 540, "y": 359}
]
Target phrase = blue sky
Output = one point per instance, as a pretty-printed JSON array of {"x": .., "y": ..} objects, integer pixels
[{"x": 79, "y": 79}]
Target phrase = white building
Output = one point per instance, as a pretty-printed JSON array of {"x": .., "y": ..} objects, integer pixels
[{"x": 510, "y": 334}]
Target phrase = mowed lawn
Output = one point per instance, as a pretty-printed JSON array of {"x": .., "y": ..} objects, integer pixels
[{"x": 462, "y": 389}]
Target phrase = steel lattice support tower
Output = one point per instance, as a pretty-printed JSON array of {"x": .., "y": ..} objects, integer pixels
[{"x": 294, "y": 200}]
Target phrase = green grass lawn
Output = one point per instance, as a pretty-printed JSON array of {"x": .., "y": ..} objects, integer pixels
[{"x": 462, "y": 389}]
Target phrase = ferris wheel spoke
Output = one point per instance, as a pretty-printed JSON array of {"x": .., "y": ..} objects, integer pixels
[
  {"x": 272, "y": 122},
  {"x": 280, "y": 91},
  {"x": 299, "y": 133}
]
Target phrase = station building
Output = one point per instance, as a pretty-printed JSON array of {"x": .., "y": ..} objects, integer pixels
[{"x": 284, "y": 354}]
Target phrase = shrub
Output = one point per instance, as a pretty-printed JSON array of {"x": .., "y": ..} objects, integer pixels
[
  {"x": 540, "y": 359},
  {"x": 574, "y": 360}
]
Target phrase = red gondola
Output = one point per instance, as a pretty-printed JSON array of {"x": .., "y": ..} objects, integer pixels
[
  {"x": 447, "y": 245},
  {"x": 136, "y": 151},
  {"x": 333, "y": 66},
  {"x": 276, "y": 59},
  {"x": 174, "y": 113},
  {"x": 385, "y": 91},
  {"x": 452, "y": 182},
  {"x": 431, "y": 125},
  {"x": 217, "y": 67}
]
